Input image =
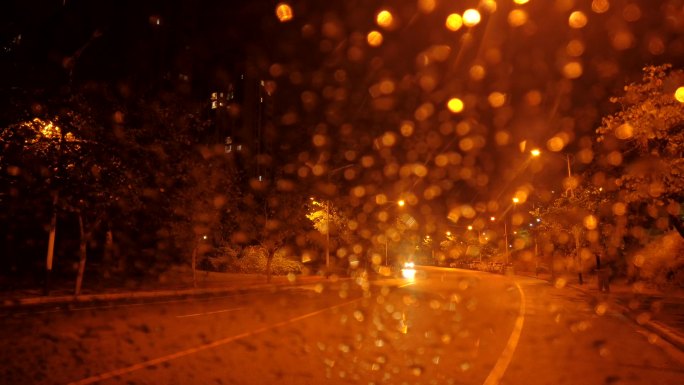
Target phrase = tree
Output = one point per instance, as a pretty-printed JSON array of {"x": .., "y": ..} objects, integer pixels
[
  {"x": 272, "y": 214},
  {"x": 79, "y": 175},
  {"x": 202, "y": 197},
  {"x": 572, "y": 220},
  {"x": 645, "y": 142},
  {"x": 328, "y": 220}
]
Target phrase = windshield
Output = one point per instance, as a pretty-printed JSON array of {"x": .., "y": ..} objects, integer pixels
[{"x": 365, "y": 192}]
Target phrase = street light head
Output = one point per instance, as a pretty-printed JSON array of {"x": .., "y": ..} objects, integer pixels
[
  {"x": 492, "y": 219},
  {"x": 535, "y": 153},
  {"x": 516, "y": 200},
  {"x": 401, "y": 203},
  {"x": 470, "y": 227}
]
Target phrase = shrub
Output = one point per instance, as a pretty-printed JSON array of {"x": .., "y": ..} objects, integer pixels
[
  {"x": 254, "y": 260},
  {"x": 661, "y": 261}
]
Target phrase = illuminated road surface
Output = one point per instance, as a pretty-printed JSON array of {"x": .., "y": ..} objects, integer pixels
[{"x": 445, "y": 327}]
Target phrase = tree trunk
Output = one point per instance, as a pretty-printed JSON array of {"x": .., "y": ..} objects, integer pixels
[
  {"x": 576, "y": 233},
  {"x": 83, "y": 243},
  {"x": 269, "y": 259},
  {"x": 108, "y": 254},
  {"x": 194, "y": 264},
  {"x": 51, "y": 244},
  {"x": 677, "y": 223}
]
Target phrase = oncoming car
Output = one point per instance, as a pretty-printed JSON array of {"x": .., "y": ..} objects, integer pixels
[{"x": 408, "y": 271}]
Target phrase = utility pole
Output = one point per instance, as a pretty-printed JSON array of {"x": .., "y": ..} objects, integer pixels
[
  {"x": 506, "y": 239},
  {"x": 327, "y": 235}
]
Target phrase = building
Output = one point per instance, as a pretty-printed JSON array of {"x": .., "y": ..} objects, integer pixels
[{"x": 242, "y": 114}]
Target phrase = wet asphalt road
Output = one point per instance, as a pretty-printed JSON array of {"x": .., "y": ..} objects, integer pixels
[{"x": 447, "y": 326}]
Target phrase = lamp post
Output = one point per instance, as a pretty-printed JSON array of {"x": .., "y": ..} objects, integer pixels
[
  {"x": 536, "y": 153},
  {"x": 399, "y": 203},
  {"x": 327, "y": 204}
]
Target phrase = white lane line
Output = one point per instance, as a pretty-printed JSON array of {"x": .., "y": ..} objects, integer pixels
[
  {"x": 197, "y": 349},
  {"x": 506, "y": 356},
  {"x": 209, "y": 312}
]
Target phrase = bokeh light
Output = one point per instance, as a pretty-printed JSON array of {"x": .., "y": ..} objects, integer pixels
[
  {"x": 454, "y": 22},
  {"x": 284, "y": 12},
  {"x": 374, "y": 38},
  {"x": 384, "y": 19},
  {"x": 679, "y": 94},
  {"x": 578, "y": 19},
  {"x": 471, "y": 17},
  {"x": 455, "y": 105}
]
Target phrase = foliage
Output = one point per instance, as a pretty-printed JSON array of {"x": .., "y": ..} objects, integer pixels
[
  {"x": 255, "y": 260},
  {"x": 330, "y": 221},
  {"x": 645, "y": 140},
  {"x": 660, "y": 261}
]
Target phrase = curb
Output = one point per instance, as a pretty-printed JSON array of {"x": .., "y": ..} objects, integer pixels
[
  {"x": 663, "y": 331},
  {"x": 9, "y": 304}
]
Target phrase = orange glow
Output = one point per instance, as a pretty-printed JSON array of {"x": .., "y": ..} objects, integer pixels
[
  {"x": 488, "y": 5},
  {"x": 575, "y": 48},
  {"x": 284, "y": 12},
  {"x": 600, "y": 6},
  {"x": 384, "y": 18},
  {"x": 577, "y": 19},
  {"x": 455, "y": 105},
  {"x": 454, "y": 22},
  {"x": 496, "y": 99},
  {"x": 471, "y": 17},
  {"x": 374, "y": 38},
  {"x": 679, "y": 94},
  {"x": 555, "y": 144},
  {"x": 517, "y": 18},
  {"x": 590, "y": 222},
  {"x": 427, "y": 6},
  {"x": 624, "y": 131},
  {"x": 572, "y": 70}
]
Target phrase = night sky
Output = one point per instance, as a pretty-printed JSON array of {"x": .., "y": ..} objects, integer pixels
[{"x": 325, "y": 71}]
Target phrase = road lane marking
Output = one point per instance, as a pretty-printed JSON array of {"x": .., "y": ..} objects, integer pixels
[
  {"x": 209, "y": 312},
  {"x": 200, "y": 348},
  {"x": 406, "y": 284},
  {"x": 506, "y": 356}
]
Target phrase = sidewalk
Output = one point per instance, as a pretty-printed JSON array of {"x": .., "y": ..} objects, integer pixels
[
  {"x": 662, "y": 313},
  {"x": 169, "y": 285}
]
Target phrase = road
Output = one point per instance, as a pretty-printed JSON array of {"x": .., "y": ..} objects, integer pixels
[{"x": 447, "y": 326}]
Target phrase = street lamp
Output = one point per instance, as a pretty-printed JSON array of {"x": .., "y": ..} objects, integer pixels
[
  {"x": 515, "y": 200},
  {"x": 480, "y": 236},
  {"x": 567, "y": 160},
  {"x": 327, "y": 210},
  {"x": 399, "y": 203}
]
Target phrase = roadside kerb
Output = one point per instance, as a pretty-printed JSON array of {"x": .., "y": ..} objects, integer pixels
[
  {"x": 149, "y": 294},
  {"x": 659, "y": 329},
  {"x": 655, "y": 327}
]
